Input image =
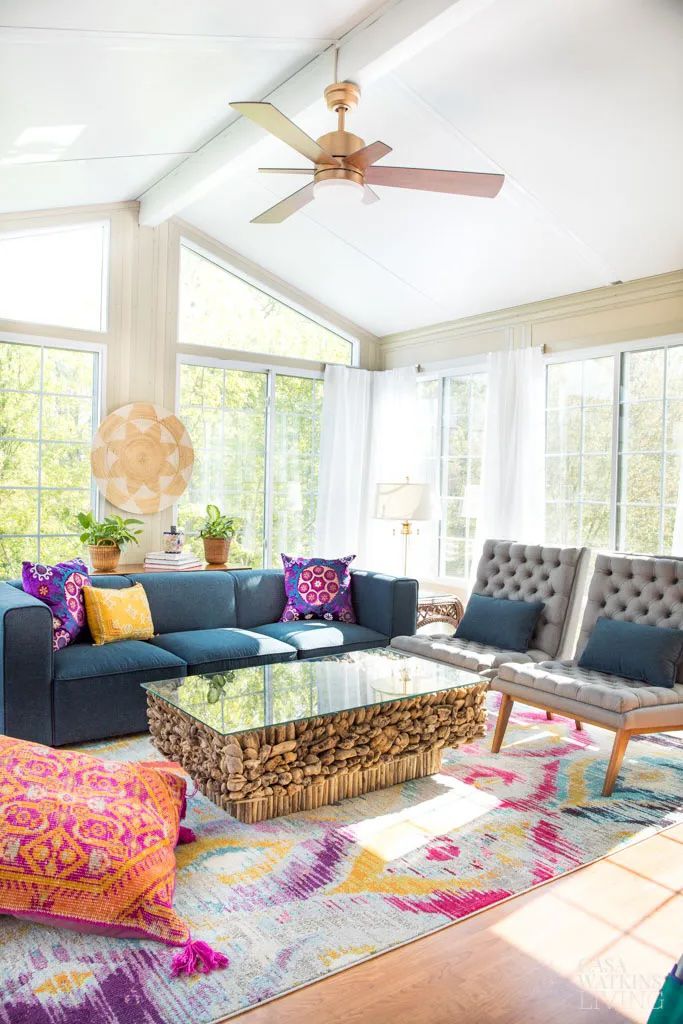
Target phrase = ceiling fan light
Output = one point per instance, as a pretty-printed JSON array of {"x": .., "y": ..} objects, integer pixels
[{"x": 338, "y": 193}]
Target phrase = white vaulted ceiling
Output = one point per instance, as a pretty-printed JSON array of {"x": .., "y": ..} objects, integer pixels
[{"x": 578, "y": 102}]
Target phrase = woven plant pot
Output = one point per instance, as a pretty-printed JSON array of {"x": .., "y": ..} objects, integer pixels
[
  {"x": 216, "y": 550},
  {"x": 104, "y": 557}
]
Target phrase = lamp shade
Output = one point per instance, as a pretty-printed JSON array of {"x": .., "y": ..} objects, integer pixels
[{"x": 405, "y": 501}]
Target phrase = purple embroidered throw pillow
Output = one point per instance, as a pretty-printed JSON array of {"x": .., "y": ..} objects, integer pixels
[
  {"x": 318, "y": 588},
  {"x": 60, "y": 587}
]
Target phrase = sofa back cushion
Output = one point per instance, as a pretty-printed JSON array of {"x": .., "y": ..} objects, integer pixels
[
  {"x": 260, "y": 596},
  {"x": 529, "y": 572},
  {"x": 634, "y": 589},
  {"x": 180, "y": 601}
]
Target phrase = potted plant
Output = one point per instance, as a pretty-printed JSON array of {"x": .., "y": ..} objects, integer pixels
[
  {"x": 217, "y": 531},
  {"x": 105, "y": 538}
]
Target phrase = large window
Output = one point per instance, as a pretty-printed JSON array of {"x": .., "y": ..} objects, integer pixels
[
  {"x": 57, "y": 276},
  {"x": 220, "y": 310},
  {"x": 48, "y": 409},
  {"x": 256, "y": 434},
  {"x": 452, "y": 423},
  {"x": 614, "y": 437},
  {"x": 579, "y": 424}
]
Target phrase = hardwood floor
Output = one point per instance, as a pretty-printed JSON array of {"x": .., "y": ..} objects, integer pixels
[{"x": 593, "y": 946}]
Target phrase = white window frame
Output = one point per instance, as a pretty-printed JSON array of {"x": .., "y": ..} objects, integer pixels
[
  {"x": 272, "y": 370},
  {"x": 100, "y": 350},
  {"x": 617, "y": 351},
  {"x": 279, "y": 296},
  {"x": 59, "y": 228},
  {"x": 466, "y": 366}
]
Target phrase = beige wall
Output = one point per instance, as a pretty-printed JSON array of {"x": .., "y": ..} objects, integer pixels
[
  {"x": 640, "y": 309},
  {"x": 140, "y": 343}
]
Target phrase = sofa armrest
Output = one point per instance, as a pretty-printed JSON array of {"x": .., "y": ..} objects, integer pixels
[
  {"x": 25, "y": 666},
  {"x": 387, "y": 604}
]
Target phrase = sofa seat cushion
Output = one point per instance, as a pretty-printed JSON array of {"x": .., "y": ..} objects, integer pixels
[
  {"x": 216, "y": 650},
  {"x": 130, "y": 658},
  {"x": 565, "y": 681},
  {"x": 467, "y": 654},
  {"x": 315, "y": 637}
]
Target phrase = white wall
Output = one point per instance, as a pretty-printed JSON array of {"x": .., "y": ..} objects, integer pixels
[{"x": 645, "y": 308}]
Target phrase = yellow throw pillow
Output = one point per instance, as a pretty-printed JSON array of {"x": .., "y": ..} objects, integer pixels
[{"x": 118, "y": 614}]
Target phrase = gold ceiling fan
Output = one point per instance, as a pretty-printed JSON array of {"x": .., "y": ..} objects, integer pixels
[{"x": 344, "y": 166}]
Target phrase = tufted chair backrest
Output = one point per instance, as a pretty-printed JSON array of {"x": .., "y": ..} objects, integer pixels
[
  {"x": 530, "y": 572},
  {"x": 647, "y": 590}
]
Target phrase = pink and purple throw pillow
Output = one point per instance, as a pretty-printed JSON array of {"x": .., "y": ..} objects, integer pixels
[
  {"x": 60, "y": 587},
  {"x": 318, "y": 588}
]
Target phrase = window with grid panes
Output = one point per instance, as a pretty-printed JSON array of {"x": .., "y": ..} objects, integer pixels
[{"x": 48, "y": 412}]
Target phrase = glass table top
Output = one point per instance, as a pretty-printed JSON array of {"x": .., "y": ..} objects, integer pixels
[{"x": 250, "y": 698}]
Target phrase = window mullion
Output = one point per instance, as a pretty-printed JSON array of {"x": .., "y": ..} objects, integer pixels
[
  {"x": 662, "y": 454},
  {"x": 268, "y": 504},
  {"x": 40, "y": 449},
  {"x": 443, "y": 476},
  {"x": 614, "y": 517}
]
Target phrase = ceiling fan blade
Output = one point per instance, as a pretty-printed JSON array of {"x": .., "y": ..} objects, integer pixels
[
  {"x": 369, "y": 196},
  {"x": 286, "y": 170},
  {"x": 362, "y": 158},
  {"x": 284, "y": 209},
  {"x": 275, "y": 122},
  {"x": 459, "y": 183}
]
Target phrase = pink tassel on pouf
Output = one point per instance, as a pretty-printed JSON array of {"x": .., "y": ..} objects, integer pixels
[
  {"x": 197, "y": 958},
  {"x": 185, "y": 835}
]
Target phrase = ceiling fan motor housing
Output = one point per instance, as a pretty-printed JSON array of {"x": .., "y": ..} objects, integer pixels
[{"x": 340, "y": 97}]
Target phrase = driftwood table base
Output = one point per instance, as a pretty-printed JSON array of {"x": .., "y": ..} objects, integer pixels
[{"x": 281, "y": 769}]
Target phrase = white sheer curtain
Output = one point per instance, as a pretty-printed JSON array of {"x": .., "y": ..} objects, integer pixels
[
  {"x": 512, "y": 504},
  {"x": 368, "y": 437},
  {"x": 392, "y": 458},
  {"x": 344, "y": 459}
]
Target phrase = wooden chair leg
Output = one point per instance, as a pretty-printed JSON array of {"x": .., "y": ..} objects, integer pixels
[
  {"x": 549, "y": 716},
  {"x": 577, "y": 723},
  {"x": 618, "y": 750},
  {"x": 502, "y": 723}
]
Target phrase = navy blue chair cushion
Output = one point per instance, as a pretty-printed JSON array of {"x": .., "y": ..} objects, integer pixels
[
  {"x": 131, "y": 658},
  {"x": 216, "y": 650},
  {"x": 315, "y": 637},
  {"x": 634, "y": 650},
  {"x": 189, "y": 600},
  {"x": 260, "y": 596},
  {"x": 499, "y": 622}
]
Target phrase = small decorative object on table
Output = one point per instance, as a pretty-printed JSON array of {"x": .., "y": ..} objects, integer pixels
[
  {"x": 174, "y": 540},
  {"x": 217, "y": 531},
  {"x": 106, "y": 538},
  {"x": 439, "y": 608}
]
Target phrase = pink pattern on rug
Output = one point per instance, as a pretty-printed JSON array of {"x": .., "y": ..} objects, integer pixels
[{"x": 453, "y": 905}]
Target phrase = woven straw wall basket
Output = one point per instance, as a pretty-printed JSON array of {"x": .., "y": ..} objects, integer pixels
[{"x": 142, "y": 458}]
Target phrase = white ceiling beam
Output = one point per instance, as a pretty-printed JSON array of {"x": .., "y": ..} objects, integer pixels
[{"x": 369, "y": 51}]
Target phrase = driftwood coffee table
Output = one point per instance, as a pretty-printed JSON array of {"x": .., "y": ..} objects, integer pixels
[{"x": 271, "y": 740}]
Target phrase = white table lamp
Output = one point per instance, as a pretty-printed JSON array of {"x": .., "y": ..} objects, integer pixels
[{"x": 406, "y": 503}]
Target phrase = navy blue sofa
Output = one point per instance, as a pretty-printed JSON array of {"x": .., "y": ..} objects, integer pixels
[{"x": 203, "y": 622}]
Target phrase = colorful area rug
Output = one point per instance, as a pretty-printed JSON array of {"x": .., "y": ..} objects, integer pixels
[{"x": 295, "y": 899}]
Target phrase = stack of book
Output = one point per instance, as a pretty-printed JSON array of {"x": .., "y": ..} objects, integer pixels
[{"x": 178, "y": 560}]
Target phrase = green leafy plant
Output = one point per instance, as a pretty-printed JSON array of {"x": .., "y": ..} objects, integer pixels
[
  {"x": 217, "y": 525},
  {"x": 110, "y": 532}
]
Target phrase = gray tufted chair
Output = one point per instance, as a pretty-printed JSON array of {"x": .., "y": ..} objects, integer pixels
[
  {"x": 638, "y": 589},
  {"x": 520, "y": 572}
]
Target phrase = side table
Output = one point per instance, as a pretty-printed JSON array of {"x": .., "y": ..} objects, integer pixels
[{"x": 439, "y": 608}]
